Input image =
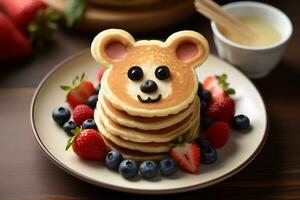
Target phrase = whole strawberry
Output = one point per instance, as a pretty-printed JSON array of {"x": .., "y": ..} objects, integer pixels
[
  {"x": 217, "y": 134},
  {"x": 79, "y": 91},
  {"x": 13, "y": 43},
  {"x": 222, "y": 110},
  {"x": 218, "y": 87},
  {"x": 88, "y": 144},
  {"x": 33, "y": 18},
  {"x": 81, "y": 113}
]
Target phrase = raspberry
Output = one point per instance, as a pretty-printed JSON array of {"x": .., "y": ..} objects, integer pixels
[
  {"x": 81, "y": 113},
  {"x": 217, "y": 134},
  {"x": 222, "y": 110}
]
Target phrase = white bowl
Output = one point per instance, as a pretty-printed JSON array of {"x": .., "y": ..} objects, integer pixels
[{"x": 255, "y": 62}]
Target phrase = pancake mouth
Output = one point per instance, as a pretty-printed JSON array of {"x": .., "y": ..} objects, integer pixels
[{"x": 149, "y": 100}]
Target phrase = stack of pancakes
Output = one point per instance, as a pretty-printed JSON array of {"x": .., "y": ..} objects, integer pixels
[
  {"x": 143, "y": 112},
  {"x": 144, "y": 138}
]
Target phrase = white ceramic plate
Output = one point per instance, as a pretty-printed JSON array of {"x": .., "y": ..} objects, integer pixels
[{"x": 238, "y": 152}]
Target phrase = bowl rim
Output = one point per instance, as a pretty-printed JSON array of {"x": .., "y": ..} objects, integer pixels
[{"x": 268, "y": 7}]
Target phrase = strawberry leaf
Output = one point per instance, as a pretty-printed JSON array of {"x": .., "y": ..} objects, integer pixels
[
  {"x": 82, "y": 77},
  {"x": 75, "y": 10},
  {"x": 230, "y": 91},
  {"x": 65, "y": 87},
  {"x": 42, "y": 28},
  {"x": 72, "y": 139}
]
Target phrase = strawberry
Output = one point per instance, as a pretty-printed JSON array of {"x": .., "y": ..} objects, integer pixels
[
  {"x": 217, "y": 134},
  {"x": 79, "y": 92},
  {"x": 81, "y": 113},
  {"x": 88, "y": 144},
  {"x": 222, "y": 110},
  {"x": 187, "y": 155},
  {"x": 13, "y": 43},
  {"x": 100, "y": 74},
  {"x": 218, "y": 87},
  {"x": 32, "y": 17}
]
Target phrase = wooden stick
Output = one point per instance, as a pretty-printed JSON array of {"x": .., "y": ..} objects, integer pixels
[{"x": 215, "y": 13}]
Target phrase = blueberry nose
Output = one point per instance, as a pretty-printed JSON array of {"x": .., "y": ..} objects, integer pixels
[{"x": 148, "y": 86}]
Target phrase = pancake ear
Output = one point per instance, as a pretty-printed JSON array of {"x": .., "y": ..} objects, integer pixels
[
  {"x": 111, "y": 46},
  {"x": 190, "y": 47}
]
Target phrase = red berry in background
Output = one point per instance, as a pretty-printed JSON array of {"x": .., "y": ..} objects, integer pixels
[
  {"x": 79, "y": 91},
  {"x": 13, "y": 43},
  {"x": 222, "y": 110},
  {"x": 22, "y": 12},
  {"x": 88, "y": 144},
  {"x": 217, "y": 134},
  {"x": 81, "y": 113},
  {"x": 100, "y": 74}
]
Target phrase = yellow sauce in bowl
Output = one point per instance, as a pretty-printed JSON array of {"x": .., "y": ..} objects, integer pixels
[{"x": 266, "y": 34}]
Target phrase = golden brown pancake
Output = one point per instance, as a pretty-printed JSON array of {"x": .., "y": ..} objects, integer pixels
[{"x": 181, "y": 54}]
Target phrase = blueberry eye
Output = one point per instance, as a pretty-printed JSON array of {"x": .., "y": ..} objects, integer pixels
[
  {"x": 162, "y": 72},
  {"x": 135, "y": 73}
]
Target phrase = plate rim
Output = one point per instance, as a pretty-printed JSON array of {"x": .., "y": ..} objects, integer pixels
[{"x": 126, "y": 189}]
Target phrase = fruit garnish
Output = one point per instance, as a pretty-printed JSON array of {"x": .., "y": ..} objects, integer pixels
[
  {"x": 168, "y": 166},
  {"x": 61, "y": 115},
  {"x": 89, "y": 124},
  {"x": 217, "y": 134},
  {"x": 241, "y": 122},
  {"x": 87, "y": 144},
  {"x": 222, "y": 110},
  {"x": 128, "y": 169},
  {"x": 113, "y": 159},
  {"x": 79, "y": 91},
  {"x": 186, "y": 154},
  {"x": 81, "y": 113},
  {"x": 218, "y": 86},
  {"x": 148, "y": 169}
]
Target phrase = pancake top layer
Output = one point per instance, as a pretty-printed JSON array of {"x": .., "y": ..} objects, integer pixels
[{"x": 150, "y": 78}]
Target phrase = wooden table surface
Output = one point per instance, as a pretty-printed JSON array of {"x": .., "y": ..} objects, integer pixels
[{"x": 26, "y": 173}]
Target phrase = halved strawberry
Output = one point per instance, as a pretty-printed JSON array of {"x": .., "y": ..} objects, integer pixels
[
  {"x": 218, "y": 87},
  {"x": 187, "y": 156},
  {"x": 79, "y": 91}
]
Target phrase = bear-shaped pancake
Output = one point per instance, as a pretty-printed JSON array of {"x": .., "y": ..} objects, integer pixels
[{"x": 149, "y": 78}]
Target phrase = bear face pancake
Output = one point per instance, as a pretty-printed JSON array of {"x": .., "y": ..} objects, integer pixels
[{"x": 150, "y": 78}]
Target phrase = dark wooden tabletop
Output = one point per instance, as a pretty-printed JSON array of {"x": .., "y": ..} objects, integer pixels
[{"x": 26, "y": 173}]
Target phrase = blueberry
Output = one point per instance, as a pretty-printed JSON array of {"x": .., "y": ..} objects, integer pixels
[
  {"x": 206, "y": 122},
  {"x": 135, "y": 73},
  {"x": 113, "y": 159},
  {"x": 162, "y": 72},
  {"x": 202, "y": 143},
  {"x": 148, "y": 169},
  {"x": 61, "y": 115},
  {"x": 69, "y": 126},
  {"x": 92, "y": 101},
  {"x": 203, "y": 107},
  {"x": 200, "y": 88},
  {"x": 89, "y": 124},
  {"x": 148, "y": 86},
  {"x": 208, "y": 155},
  {"x": 241, "y": 122},
  {"x": 97, "y": 88},
  {"x": 168, "y": 166},
  {"x": 205, "y": 95},
  {"x": 128, "y": 169}
]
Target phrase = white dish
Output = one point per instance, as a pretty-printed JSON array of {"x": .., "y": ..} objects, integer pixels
[{"x": 240, "y": 150}]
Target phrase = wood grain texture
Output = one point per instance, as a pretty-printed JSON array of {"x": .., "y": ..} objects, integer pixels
[{"x": 26, "y": 173}]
